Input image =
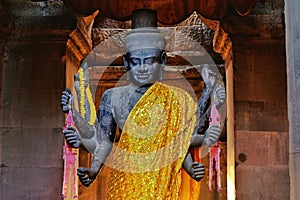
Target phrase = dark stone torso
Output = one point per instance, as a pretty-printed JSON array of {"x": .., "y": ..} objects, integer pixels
[{"x": 122, "y": 100}]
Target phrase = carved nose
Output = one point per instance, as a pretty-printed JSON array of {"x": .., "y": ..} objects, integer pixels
[{"x": 143, "y": 68}]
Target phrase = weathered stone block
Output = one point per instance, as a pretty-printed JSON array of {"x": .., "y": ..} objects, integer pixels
[
  {"x": 32, "y": 147},
  {"x": 102, "y": 21},
  {"x": 41, "y": 108},
  {"x": 249, "y": 115},
  {"x": 258, "y": 182},
  {"x": 260, "y": 77},
  {"x": 257, "y": 148},
  {"x": 43, "y": 71},
  {"x": 279, "y": 149},
  {"x": 11, "y": 112},
  {"x": 170, "y": 36},
  {"x": 31, "y": 183}
]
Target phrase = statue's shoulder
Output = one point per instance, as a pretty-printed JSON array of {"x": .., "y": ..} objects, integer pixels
[
  {"x": 117, "y": 100},
  {"x": 120, "y": 89},
  {"x": 118, "y": 92}
]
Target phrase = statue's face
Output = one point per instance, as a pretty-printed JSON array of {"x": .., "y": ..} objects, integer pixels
[{"x": 144, "y": 65}]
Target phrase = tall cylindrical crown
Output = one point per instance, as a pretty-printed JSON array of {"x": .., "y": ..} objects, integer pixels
[
  {"x": 144, "y": 33},
  {"x": 143, "y": 18}
]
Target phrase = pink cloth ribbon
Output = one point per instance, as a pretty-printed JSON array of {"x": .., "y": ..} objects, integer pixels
[
  {"x": 214, "y": 152},
  {"x": 70, "y": 157}
]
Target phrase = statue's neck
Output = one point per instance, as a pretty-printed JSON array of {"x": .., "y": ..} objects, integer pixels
[{"x": 141, "y": 89}]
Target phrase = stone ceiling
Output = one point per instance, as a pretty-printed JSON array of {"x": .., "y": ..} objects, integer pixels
[
  {"x": 29, "y": 8},
  {"x": 20, "y": 19},
  {"x": 265, "y": 21}
]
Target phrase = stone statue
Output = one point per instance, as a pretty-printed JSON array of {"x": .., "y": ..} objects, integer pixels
[{"x": 144, "y": 60}]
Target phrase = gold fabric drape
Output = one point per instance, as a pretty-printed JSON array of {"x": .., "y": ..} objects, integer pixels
[{"x": 155, "y": 139}]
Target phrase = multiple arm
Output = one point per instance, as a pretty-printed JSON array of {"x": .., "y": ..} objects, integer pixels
[
  {"x": 98, "y": 138},
  {"x": 205, "y": 134},
  {"x": 86, "y": 132},
  {"x": 105, "y": 132}
]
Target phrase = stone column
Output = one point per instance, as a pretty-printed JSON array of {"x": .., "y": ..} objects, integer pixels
[{"x": 292, "y": 21}]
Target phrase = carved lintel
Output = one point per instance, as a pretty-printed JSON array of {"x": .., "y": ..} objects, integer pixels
[
  {"x": 74, "y": 54},
  {"x": 222, "y": 43},
  {"x": 80, "y": 43}
]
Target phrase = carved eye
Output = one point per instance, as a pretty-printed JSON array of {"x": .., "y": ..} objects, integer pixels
[
  {"x": 150, "y": 61},
  {"x": 134, "y": 61}
]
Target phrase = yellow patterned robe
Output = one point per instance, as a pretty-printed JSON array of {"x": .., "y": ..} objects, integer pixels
[{"x": 154, "y": 141}]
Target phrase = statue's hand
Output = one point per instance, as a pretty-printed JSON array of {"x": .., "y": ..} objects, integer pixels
[
  {"x": 220, "y": 95},
  {"x": 212, "y": 135},
  {"x": 66, "y": 100},
  {"x": 196, "y": 171},
  {"x": 86, "y": 175},
  {"x": 72, "y": 137}
]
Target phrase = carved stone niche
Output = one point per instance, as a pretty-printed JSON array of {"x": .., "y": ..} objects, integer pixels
[{"x": 189, "y": 46}]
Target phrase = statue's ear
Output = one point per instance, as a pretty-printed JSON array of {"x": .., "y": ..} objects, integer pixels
[
  {"x": 127, "y": 66},
  {"x": 163, "y": 57},
  {"x": 126, "y": 61}
]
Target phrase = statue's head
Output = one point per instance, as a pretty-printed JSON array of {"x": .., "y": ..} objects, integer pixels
[{"x": 145, "y": 57}]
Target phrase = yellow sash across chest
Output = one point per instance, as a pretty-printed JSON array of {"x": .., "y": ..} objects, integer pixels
[{"x": 153, "y": 144}]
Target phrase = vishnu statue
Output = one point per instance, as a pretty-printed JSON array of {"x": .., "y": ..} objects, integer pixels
[{"x": 159, "y": 123}]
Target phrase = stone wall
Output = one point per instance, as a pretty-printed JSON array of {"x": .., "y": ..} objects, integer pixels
[
  {"x": 260, "y": 85},
  {"x": 261, "y": 120},
  {"x": 261, "y": 136},
  {"x": 33, "y": 76}
]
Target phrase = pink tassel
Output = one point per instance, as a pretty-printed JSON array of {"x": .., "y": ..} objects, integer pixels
[
  {"x": 70, "y": 157},
  {"x": 214, "y": 151},
  {"x": 215, "y": 156}
]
